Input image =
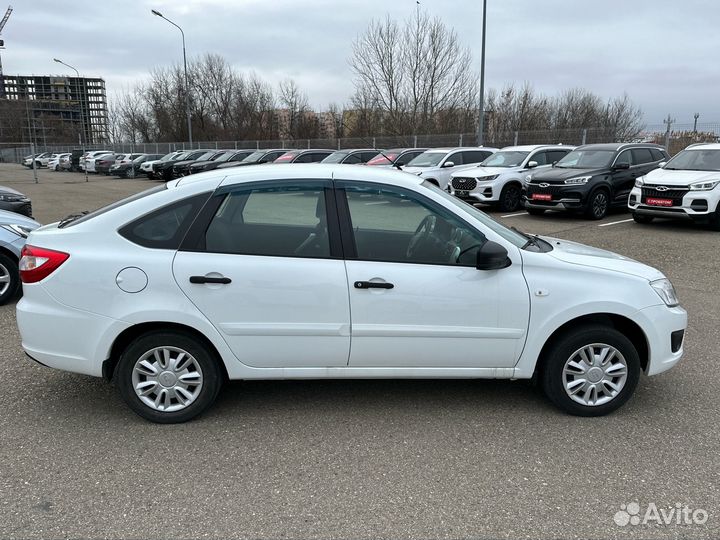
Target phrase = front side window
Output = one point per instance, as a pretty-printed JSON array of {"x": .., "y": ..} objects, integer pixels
[
  {"x": 540, "y": 158},
  {"x": 427, "y": 159},
  {"x": 510, "y": 158},
  {"x": 474, "y": 156},
  {"x": 394, "y": 225},
  {"x": 624, "y": 157},
  {"x": 286, "y": 221}
]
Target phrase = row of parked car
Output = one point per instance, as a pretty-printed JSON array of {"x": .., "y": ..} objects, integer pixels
[{"x": 589, "y": 180}]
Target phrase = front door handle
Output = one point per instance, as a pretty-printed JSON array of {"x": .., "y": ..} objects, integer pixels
[
  {"x": 373, "y": 285},
  {"x": 206, "y": 279}
]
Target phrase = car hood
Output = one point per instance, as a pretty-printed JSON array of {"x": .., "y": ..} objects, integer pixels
[
  {"x": 679, "y": 178},
  {"x": 4, "y": 189},
  {"x": 12, "y": 218},
  {"x": 419, "y": 170},
  {"x": 476, "y": 172},
  {"x": 559, "y": 174},
  {"x": 574, "y": 253}
]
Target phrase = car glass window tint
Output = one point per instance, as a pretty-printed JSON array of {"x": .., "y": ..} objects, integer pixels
[
  {"x": 642, "y": 155},
  {"x": 474, "y": 156},
  {"x": 456, "y": 158},
  {"x": 288, "y": 221},
  {"x": 624, "y": 157},
  {"x": 164, "y": 228},
  {"x": 540, "y": 158}
]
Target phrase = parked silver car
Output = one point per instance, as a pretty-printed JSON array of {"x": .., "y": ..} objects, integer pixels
[{"x": 14, "y": 230}]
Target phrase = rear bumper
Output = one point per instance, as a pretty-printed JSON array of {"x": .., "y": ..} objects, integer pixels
[{"x": 62, "y": 337}]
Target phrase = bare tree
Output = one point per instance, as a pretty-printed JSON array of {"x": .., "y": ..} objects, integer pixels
[{"x": 413, "y": 73}]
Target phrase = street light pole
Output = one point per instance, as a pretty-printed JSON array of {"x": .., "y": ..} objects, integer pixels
[
  {"x": 83, "y": 139},
  {"x": 481, "y": 108},
  {"x": 187, "y": 86}
]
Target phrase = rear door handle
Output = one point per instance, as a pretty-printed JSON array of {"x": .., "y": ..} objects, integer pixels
[
  {"x": 373, "y": 285},
  {"x": 206, "y": 279}
]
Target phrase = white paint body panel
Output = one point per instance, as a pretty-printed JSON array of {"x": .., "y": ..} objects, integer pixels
[{"x": 433, "y": 324}]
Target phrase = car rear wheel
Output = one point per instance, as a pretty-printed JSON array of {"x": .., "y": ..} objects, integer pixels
[
  {"x": 510, "y": 198},
  {"x": 640, "y": 218},
  {"x": 168, "y": 377},
  {"x": 9, "y": 278},
  {"x": 590, "y": 371},
  {"x": 598, "y": 204}
]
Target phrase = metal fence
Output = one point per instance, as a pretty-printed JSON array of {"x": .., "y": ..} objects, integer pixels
[{"x": 679, "y": 136}]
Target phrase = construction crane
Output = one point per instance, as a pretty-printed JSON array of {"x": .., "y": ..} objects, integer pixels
[{"x": 2, "y": 43}]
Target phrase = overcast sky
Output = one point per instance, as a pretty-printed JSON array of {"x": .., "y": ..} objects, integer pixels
[{"x": 663, "y": 53}]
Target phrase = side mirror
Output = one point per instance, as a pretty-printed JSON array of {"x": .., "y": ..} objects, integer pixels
[
  {"x": 532, "y": 164},
  {"x": 621, "y": 166},
  {"x": 492, "y": 256},
  {"x": 662, "y": 164},
  {"x": 448, "y": 164}
]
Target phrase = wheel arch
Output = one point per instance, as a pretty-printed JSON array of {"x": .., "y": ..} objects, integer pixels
[
  {"x": 133, "y": 332},
  {"x": 9, "y": 253},
  {"x": 622, "y": 324}
]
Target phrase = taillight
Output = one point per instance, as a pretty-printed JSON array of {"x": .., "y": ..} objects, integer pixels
[{"x": 38, "y": 263}]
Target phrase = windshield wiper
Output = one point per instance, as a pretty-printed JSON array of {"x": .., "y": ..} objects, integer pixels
[{"x": 72, "y": 217}]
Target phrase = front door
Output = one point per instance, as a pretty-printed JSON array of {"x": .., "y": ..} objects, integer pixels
[
  {"x": 416, "y": 298},
  {"x": 264, "y": 274}
]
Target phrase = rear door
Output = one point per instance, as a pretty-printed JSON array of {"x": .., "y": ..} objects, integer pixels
[{"x": 262, "y": 264}]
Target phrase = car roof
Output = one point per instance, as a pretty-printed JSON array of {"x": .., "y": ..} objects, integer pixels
[
  {"x": 618, "y": 146},
  {"x": 704, "y": 146},
  {"x": 532, "y": 147},
  {"x": 456, "y": 148},
  {"x": 304, "y": 171}
]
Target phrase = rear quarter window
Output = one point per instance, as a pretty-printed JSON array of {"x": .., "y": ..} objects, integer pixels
[{"x": 165, "y": 227}]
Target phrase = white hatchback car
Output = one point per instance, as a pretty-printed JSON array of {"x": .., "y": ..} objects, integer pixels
[
  {"x": 686, "y": 187},
  {"x": 333, "y": 271},
  {"x": 436, "y": 164},
  {"x": 498, "y": 181}
]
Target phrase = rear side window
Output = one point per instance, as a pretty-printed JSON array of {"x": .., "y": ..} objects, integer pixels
[
  {"x": 165, "y": 227},
  {"x": 642, "y": 155},
  {"x": 69, "y": 221}
]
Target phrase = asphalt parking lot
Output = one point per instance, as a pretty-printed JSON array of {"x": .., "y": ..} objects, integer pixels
[{"x": 367, "y": 459}]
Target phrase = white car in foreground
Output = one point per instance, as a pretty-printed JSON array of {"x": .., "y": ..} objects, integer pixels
[
  {"x": 686, "y": 187},
  {"x": 333, "y": 271},
  {"x": 436, "y": 165},
  {"x": 498, "y": 181}
]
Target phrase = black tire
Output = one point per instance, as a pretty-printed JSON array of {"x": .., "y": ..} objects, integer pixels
[
  {"x": 535, "y": 211},
  {"x": 553, "y": 364},
  {"x": 714, "y": 221},
  {"x": 151, "y": 176},
  {"x": 9, "y": 267},
  {"x": 510, "y": 197},
  {"x": 598, "y": 204},
  {"x": 642, "y": 219},
  {"x": 211, "y": 375}
]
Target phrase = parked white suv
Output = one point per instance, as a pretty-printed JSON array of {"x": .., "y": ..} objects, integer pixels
[
  {"x": 499, "y": 180},
  {"x": 687, "y": 187},
  {"x": 436, "y": 164},
  {"x": 252, "y": 273}
]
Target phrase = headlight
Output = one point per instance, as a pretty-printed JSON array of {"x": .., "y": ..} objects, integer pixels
[
  {"x": 665, "y": 291},
  {"x": 578, "y": 180},
  {"x": 487, "y": 178},
  {"x": 704, "y": 186},
  {"x": 11, "y": 197},
  {"x": 639, "y": 182},
  {"x": 18, "y": 229},
  {"x": 528, "y": 178}
]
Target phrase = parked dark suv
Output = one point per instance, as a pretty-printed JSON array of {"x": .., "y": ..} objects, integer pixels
[{"x": 591, "y": 179}]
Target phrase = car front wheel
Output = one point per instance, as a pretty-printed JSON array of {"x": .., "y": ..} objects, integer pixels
[
  {"x": 590, "y": 371},
  {"x": 510, "y": 198},
  {"x": 598, "y": 204},
  {"x": 168, "y": 377}
]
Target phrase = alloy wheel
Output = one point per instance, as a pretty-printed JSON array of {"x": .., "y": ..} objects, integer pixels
[
  {"x": 5, "y": 279},
  {"x": 599, "y": 204}
]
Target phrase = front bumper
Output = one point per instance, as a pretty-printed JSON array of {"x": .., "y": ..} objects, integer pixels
[
  {"x": 556, "y": 196},
  {"x": 23, "y": 206},
  {"x": 659, "y": 324},
  {"x": 694, "y": 205}
]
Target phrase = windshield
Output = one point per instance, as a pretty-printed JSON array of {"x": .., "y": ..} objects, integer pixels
[
  {"x": 427, "y": 159},
  {"x": 514, "y": 237},
  {"x": 505, "y": 159},
  {"x": 168, "y": 157},
  {"x": 587, "y": 159},
  {"x": 335, "y": 157},
  {"x": 695, "y": 160},
  {"x": 255, "y": 156}
]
